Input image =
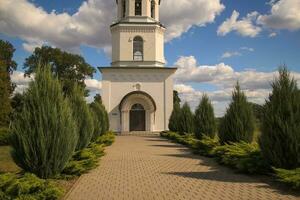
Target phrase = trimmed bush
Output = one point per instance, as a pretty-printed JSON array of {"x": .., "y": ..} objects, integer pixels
[
  {"x": 244, "y": 157},
  {"x": 290, "y": 177},
  {"x": 186, "y": 119},
  {"x": 205, "y": 124},
  {"x": 4, "y": 136},
  {"x": 206, "y": 145},
  {"x": 27, "y": 187},
  {"x": 238, "y": 123},
  {"x": 88, "y": 158},
  {"x": 44, "y": 134},
  {"x": 82, "y": 116},
  {"x": 107, "y": 139},
  {"x": 280, "y": 138}
]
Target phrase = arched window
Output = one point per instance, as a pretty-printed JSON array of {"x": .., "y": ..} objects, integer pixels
[
  {"x": 123, "y": 8},
  {"x": 137, "y": 107},
  {"x": 138, "y": 7},
  {"x": 138, "y": 48},
  {"x": 153, "y": 9}
]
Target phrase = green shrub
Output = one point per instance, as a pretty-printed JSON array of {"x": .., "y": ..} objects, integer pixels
[
  {"x": 107, "y": 139},
  {"x": 4, "y": 136},
  {"x": 186, "y": 119},
  {"x": 88, "y": 158},
  {"x": 174, "y": 119},
  {"x": 238, "y": 123},
  {"x": 280, "y": 138},
  {"x": 205, "y": 124},
  {"x": 100, "y": 119},
  {"x": 82, "y": 116},
  {"x": 244, "y": 157},
  {"x": 290, "y": 177},
  {"x": 206, "y": 145},
  {"x": 44, "y": 134},
  {"x": 28, "y": 187},
  {"x": 84, "y": 160}
]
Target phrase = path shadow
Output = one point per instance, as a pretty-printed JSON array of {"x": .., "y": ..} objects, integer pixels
[
  {"x": 167, "y": 145},
  {"x": 217, "y": 172}
]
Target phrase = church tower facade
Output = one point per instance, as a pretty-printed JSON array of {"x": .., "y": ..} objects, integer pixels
[
  {"x": 137, "y": 90},
  {"x": 146, "y": 47}
]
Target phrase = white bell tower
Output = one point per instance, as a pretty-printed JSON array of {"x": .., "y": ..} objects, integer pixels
[
  {"x": 137, "y": 89},
  {"x": 137, "y": 35}
]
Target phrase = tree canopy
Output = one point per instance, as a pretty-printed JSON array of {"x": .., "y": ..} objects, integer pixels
[
  {"x": 69, "y": 68},
  {"x": 7, "y": 65}
]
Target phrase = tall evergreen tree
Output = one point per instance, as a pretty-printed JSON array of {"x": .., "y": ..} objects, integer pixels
[
  {"x": 174, "y": 118},
  {"x": 44, "y": 134},
  {"x": 186, "y": 119},
  {"x": 83, "y": 117},
  {"x": 101, "y": 120},
  {"x": 238, "y": 122},
  {"x": 205, "y": 123},
  {"x": 7, "y": 65},
  {"x": 280, "y": 138}
]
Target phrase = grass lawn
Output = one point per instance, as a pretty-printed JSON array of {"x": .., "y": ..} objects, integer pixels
[{"x": 6, "y": 162}]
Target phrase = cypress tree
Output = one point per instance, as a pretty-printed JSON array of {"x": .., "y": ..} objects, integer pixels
[
  {"x": 186, "y": 119},
  {"x": 238, "y": 123},
  {"x": 205, "y": 123},
  {"x": 44, "y": 134},
  {"x": 101, "y": 119},
  {"x": 174, "y": 118},
  {"x": 280, "y": 138},
  {"x": 82, "y": 116}
]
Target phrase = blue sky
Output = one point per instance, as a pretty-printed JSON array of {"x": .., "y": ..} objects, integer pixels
[{"x": 246, "y": 44}]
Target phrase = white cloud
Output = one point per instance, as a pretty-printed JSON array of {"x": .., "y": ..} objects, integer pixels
[
  {"x": 245, "y": 27},
  {"x": 273, "y": 34},
  {"x": 229, "y": 54},
  {"x": 93, "y": 85},
  {"x": 189, "y": 71},
  {"x": 180, "y": 15},
  {"x": 21, "y": 81},
  {"x": 247, "y": 49},
  {"x": 90, "y": 24},
  {"x": 285, "y": 14},
  {"x": 257, "y": 85}
]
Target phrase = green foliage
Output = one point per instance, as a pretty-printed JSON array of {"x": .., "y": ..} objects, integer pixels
[
  {"x": 82, "y": 116},
  {"x": 290, "y": 177},
  {"x": 174, "y": 119},
  {"x": 238, "y": 122},
  {"x": 100, "y": 116},
  {"x": 88, "y": 158},
  {"x": 186, "y": 119},
  {"x": 84, "y": 160},
  {"x": 27, "y": 187},
  {"x": 4, "y": 136},
  {"x": 205, "y": 124},
  {"x": 176, "y": 99},
  {"x": 280, "y": 138},
  {"x": 206, "y": 146},
  {"x": 7, "y": 65},
  {"x": 69, "y": 68},
  {"x": 244, "y": 157},
  {"x": 107, "y": 139},
  {"x": 44, "y": 134}
]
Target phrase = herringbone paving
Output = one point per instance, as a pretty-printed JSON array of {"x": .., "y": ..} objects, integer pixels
[{"x": 149, "y": 167}]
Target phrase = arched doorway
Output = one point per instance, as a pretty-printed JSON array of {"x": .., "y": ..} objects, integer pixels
[
  {"x": 137, "y": 111},
  {"x": 137, "y": 118}
]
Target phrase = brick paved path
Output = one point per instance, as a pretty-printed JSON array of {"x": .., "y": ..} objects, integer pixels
[{"x": 140, "y": 167}]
